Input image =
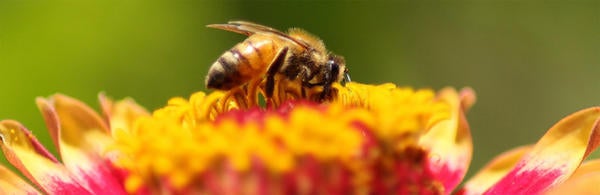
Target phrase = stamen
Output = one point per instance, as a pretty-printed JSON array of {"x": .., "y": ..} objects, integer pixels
[{"x": 204, "y": 135}]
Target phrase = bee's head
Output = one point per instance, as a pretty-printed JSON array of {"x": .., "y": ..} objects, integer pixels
[{"x": 338, "y": 68}]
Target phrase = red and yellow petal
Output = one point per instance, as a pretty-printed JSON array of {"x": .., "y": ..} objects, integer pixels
[
  {"x": 21, "y": 149},
  {"x": 449, "y": 141},
  {"x": 82, "y": 138},
  {"x": 553, "y": 159},
  {"x": 494, "y": 171}
]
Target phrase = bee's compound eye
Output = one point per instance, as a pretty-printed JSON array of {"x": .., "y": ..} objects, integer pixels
[
  {"x": 331, "y": 62},
  {"x": 333, "y": 66}
]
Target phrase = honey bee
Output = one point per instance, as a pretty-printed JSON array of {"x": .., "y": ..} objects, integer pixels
[{"x": 267, "y": 52}]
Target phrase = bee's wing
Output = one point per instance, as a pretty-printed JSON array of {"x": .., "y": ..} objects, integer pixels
[{"x": 249, "y": 28}]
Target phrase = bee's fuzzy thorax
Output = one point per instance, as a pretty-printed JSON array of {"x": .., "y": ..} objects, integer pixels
[{"x": 310, "y": 39}]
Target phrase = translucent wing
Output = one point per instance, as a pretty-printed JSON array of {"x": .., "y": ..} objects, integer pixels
[{"x": 249, "y": 28}]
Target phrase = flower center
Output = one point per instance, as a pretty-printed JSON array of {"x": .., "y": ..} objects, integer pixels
[{"x": 213, "y": 135}]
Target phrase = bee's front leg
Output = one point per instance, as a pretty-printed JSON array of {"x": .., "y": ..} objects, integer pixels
[
  {"x": 330, "y": 71},
  {"x": 273, "y": 69}
]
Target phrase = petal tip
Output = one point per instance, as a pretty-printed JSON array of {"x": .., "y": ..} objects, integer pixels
[{"x": 467, "y": 98}]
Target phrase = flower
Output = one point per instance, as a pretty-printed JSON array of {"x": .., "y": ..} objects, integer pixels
[
  {"x": 370, "y": 139},
  {"x": 364, "y": 139},
  {"x": 552, "y": 165},
  {"x": 80, "y": 136}
]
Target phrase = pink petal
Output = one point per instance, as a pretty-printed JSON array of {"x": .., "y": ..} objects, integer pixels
[
  {"x": 494, "y": 171},
  {"x": 21, "y": 149},
  {"x": 449, "y": 141},
  {"x": 11, "y": 183},
  {"x": 82, "y": 137},
  {"x": 555, "y": 157}
]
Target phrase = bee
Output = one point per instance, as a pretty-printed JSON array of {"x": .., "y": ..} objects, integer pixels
[{"x": 268, "y": 52}]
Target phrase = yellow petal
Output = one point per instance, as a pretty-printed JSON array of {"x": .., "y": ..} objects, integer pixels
[
  {"x": 584, "y": 184},
  {"x": 587, "y": 167},
  {"x": 78, "y": 126},
  {"x": 585, "y": 180},
  {"x": 449, "y": 141},
  {"x": 121, "y": 114},
  {"x": 24, "y": 152},
  {"x": 11, "y": 183}
]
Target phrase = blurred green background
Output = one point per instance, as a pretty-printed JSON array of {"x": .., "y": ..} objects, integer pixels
[{"x": 531, "y": 63}]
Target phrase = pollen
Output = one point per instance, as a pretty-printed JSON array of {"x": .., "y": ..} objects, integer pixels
[{"x": 211, "y": 135}]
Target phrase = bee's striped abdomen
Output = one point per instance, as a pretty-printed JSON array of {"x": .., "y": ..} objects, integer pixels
[{"x": 245, "y": 61}]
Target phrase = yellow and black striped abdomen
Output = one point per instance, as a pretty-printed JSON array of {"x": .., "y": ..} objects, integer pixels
[{"x": 245, "y": 61}]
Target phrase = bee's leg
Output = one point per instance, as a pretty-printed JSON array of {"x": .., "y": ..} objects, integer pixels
[
  {"x": 306, "y": 78},
  {"x": 275, "y": 66},
  {"x": 310, "y": 85},
  {"x": 328, "y": 80}
]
